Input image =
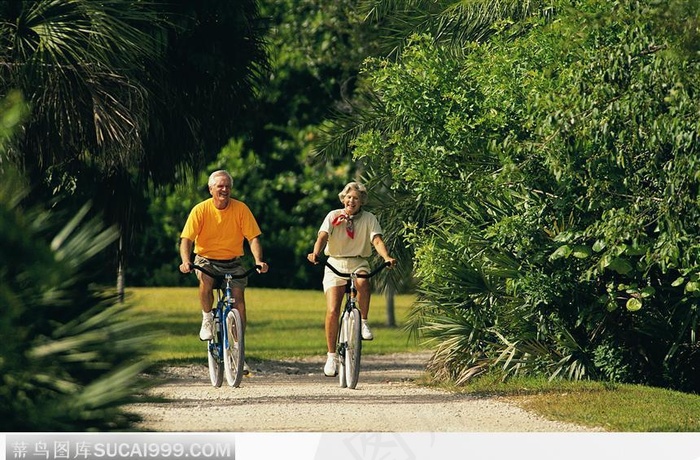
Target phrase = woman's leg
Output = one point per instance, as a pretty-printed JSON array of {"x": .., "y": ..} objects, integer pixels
[{"x": 334, "y": 297}]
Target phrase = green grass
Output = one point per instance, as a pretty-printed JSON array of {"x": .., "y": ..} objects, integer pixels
[
  {"x": 281, "y": 323},
  {"x": 285, "y": 324},
  {"x": 612, "y": 407},
  {"x": 622, "y": 408}
]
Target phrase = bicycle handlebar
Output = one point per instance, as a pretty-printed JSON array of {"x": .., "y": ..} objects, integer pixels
[
  {"x": 221, "y": 277},
  {"x": 359, "y": 275}
]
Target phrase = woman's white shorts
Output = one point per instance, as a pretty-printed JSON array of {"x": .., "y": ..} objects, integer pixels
[{"x": 343, "y": 265}]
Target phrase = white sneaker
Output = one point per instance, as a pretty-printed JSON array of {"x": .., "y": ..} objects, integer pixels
[
  {"x": 207, "y": 330},
  {"x": 331, "y": 367},
  {"x": 246, "y": 369},
  {"x": 366, "y": 332}
]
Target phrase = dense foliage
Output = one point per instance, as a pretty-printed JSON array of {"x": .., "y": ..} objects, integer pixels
[
  {"x": 70, "y": 355},
  {"x": 124, "y": 95},
  {"x": 120, "y": 95},
  {"x": 315, "y": 49},
  {"x": 539, "y": 159},
  {"x": 556, "y": 169}
]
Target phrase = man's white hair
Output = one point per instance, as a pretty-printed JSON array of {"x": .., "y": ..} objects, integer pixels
[{"x": 220, "y": 172}]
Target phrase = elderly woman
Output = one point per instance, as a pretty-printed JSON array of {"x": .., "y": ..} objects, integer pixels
[{"x": 346, "y": 236}]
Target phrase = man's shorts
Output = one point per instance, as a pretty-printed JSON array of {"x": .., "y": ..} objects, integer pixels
[
  {"x": 221, "y": 267},
  {"x": 343, "y": 265}
]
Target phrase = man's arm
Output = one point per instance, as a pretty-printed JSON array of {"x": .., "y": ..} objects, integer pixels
[
  {"x": 256, "y": 249},
  {"x": 186, "y": 255}
]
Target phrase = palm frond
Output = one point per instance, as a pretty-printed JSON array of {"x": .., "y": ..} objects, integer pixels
[
  {"x": 451, "y": 22},
  {"x": 72, "y": 355}
]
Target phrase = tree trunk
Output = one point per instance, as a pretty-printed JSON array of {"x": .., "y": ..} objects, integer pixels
[
  {"x": 389, "y": 295},
  {"x": 120, "y": 272}
]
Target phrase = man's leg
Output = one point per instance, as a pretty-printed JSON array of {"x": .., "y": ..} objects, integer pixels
[
  {"x": 206, "y": 299},
  {"x": 206, "y": 292}
]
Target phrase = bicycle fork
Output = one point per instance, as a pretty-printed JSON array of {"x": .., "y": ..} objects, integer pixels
[
  {"x": 223, "y": 307},
  {"x": 214, "y": 344},
  {"x": 226, "y": 306},
  {"x": 345, "y": 319}
]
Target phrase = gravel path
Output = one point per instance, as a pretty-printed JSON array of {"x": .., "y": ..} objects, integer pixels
[{"x": 297, "y": 397}]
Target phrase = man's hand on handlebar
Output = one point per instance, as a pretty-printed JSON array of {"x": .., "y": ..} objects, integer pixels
[
  {"x": 263, "y": 267},
  {"x": 186, "y": 267}
]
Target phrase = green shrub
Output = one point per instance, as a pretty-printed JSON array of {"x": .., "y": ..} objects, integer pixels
[{"x": 71, "y": 355}]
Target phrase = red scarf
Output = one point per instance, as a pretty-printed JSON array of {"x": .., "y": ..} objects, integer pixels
[{"x": 349, "y": 227}]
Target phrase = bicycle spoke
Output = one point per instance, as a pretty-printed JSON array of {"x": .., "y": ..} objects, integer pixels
[{"x": 234, "y": 351}]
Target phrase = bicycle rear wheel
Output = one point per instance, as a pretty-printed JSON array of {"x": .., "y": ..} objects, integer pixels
[
  {"x": 216, "y": 366},
  {"x": 234, "y": 352},
  {"x": 353, "y": 348}
]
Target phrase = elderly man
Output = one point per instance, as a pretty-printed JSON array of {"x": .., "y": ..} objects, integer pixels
[{"x": 216, "y": 228}]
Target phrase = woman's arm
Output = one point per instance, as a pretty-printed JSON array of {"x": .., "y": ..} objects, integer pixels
[
  {"x": 379, "y": 245},
  {"x": 319, "y": 245}
]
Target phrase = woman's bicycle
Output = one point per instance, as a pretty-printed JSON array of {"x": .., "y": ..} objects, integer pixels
[
  {"x": 349, "y": 343},
  {"x": 226, "y": 349}
]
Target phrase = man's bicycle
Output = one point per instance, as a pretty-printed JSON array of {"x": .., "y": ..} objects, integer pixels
[
  {"x": 349, "y": 343},
  {"x": 226, "y": 349}
]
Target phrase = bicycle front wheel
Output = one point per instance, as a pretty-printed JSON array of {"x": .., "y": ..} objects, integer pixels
[
  {"x": 216, "y": 367},
  {"x": 341, "y": 348},
  {"x": 234, "y": 352},
  {"x": 353, "y": 348}
]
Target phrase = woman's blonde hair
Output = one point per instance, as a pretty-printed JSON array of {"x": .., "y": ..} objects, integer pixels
[{"x": 359, "y": 188}]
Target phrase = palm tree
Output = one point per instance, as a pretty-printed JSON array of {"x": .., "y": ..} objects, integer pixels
[
  {"x": 70, "y": 357},
  {"x": 128, "y": 84},
  {"x": 124, "y": 93},
  {"x": 79, "y": 65},
  {"x": 453, "y": 24}
]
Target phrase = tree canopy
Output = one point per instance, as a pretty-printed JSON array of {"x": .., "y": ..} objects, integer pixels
[
  {"x": 554, "y": 168},
  {"x": 123, "y": 85},
  {"x": 125, "y": 95},
  {"x": 535, "y": 161}
]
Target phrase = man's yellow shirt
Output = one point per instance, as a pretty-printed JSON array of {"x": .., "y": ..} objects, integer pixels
[{"x": 219, "y": 233}]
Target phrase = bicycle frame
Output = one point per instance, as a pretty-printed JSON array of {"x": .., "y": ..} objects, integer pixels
[
  {"x": 350, "y": 305},
  {"x": 349, "y": 340},
  {"x": 224, "y": 304}
]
